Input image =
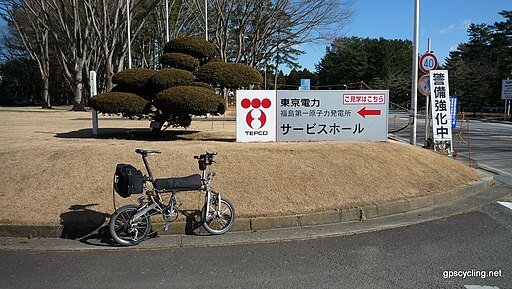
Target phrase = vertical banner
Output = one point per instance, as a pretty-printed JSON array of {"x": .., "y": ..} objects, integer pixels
[
  {"x": 440, "y": 94},
  {"x": 256, "y": 115},
  {"x": 454, "y": 109}
]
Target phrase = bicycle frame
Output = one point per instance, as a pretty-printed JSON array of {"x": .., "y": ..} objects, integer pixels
[
  {"x": 131, "y": 223},
  {"x": 159, "y": 206}
]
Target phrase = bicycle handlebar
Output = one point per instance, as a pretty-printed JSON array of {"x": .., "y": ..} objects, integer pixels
[{"x": 206, "y": 155}]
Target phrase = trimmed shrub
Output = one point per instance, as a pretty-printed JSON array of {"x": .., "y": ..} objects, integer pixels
[
  {"x": 133, "y": 80},
  {"x": 180, "y": 61},
  {"x": 200, "y": 84},
  {"x": 190, "y": 100},
  {"x": 135, "y": 77},
  {"x": 229, "y": 75},
  {"x": 194, "y": 46},
  {"x": 127, "y": 104},
  {"x": 170, "y": 77}
]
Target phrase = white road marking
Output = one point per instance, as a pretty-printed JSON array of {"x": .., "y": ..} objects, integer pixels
[
  {"x": 506, "y": 204},
  {"x": 480, "y": 287}
]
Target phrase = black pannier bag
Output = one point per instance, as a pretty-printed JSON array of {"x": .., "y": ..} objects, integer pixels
[{"x": 128, "y": 180}]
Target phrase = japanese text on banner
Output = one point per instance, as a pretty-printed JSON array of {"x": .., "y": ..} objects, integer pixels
[{"x": 441, "y": 118}]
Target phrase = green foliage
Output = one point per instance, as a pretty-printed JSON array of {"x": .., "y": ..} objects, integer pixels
[
  {"x": 18, "y": 85},
  {"x": 294, "y": 77},
  {"x": 193, "y": 46},
  {"x": 478, "y": 66},
  {"x": 180, "y": 61},
  {"x": 229, "y": 75},
  {"x": 172, "y": 95},
  {"x": 169, "y": 77},
  {"x": 127, "y": 104},
  {"x": 190, "y": 100},
  {"x": 382, "y": 63},
  {"x": 133, "y": 80}
]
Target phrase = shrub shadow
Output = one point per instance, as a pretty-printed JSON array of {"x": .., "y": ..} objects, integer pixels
[{"x": 142, "y": 134}]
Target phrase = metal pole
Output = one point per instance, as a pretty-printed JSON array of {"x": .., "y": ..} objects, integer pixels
[
  {"x": 167, "y": 20},
  {"x": 414, "y": 94},
  {"x": 206, "y": 19},
  {"x": 129, "y": 34},
  {"x": 508, "y": 108},
  {"x": 427, "y": 103}
]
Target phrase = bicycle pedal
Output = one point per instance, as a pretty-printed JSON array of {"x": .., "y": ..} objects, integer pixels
[{"x": 166, "y": 227}]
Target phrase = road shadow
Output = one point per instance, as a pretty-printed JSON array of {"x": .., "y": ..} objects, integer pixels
[{"x": 80, "y": 221}]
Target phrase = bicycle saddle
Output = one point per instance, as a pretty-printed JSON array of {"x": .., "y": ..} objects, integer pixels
[
  {"x": 190, "y": 183},
  {"x": 146, "y": 152}
]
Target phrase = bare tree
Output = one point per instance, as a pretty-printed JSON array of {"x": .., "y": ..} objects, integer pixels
[
  {"x": 30, "y": 17},
  {"x": 255, "y": 31}
]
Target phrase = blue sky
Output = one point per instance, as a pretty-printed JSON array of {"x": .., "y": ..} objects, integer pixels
[{"x": 443, "y": 21}]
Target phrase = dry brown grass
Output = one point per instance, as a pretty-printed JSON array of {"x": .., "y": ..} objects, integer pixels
[{"x": 50, "y": 163}]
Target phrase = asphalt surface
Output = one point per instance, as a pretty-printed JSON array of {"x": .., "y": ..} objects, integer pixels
[{"x": 473, "y": 245}]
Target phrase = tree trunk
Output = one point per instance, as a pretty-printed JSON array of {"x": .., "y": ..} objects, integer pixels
[
  {"x": 46, "y": 93},
  {"x": 78, "y": 100}
]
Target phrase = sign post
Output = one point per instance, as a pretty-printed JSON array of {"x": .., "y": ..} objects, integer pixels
[
  {"x": 428, "y": 62},
  {"x": 93, "y": 85},
  {"x": 506, "y": 94}
]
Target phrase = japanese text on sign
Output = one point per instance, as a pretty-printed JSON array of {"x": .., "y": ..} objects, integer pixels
[
  {"x": 441, "y": 118},
  {"x": 364, "y": 99}
]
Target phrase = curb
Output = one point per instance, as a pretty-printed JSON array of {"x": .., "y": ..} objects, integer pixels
[{"x": 78, "y": 230}]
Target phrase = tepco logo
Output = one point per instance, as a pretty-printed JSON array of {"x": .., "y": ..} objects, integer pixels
[{"x": 256, "y": 117}]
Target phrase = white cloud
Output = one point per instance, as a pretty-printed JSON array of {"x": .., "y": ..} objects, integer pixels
[
  {"x": 447, "y": 29},
  {"x": 463, "y": 25}
]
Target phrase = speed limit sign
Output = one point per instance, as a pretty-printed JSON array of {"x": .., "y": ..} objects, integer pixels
[{"x": 428, "y": 62}]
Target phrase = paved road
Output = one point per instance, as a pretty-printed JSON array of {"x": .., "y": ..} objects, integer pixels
[
  {"x": 489, "y": 143},
  {"x": 473, "y": 244}
]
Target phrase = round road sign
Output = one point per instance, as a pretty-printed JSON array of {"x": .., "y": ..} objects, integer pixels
[
  {"x": 428, "y": 62},
  {"x": 424, "y": 85}
]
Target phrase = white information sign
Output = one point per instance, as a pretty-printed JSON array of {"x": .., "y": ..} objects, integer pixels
[
  {"x": 440, "y": 94},
  {"x": 317, "y": 115},
  {"x": 506, "y": 89}
]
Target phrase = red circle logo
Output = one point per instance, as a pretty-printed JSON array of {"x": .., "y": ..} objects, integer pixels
[{"x": 256, "y": 117}]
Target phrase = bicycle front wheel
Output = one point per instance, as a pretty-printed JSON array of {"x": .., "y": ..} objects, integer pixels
[
  {"x": 219, "y": 219},
  {"x": 127, "y": 231}
]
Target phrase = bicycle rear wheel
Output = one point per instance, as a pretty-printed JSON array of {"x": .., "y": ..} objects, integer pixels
[
  {"x": 127, "y": 231},
  {"x": 219, "y": 219}
]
